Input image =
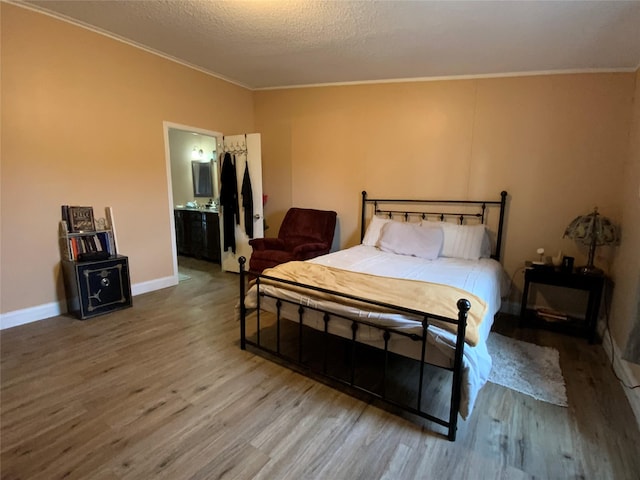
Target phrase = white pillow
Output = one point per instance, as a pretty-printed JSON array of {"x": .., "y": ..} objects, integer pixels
[
  {"x": 372, "y": 235},
  {"x": 464, "y": 241},
  {"x": 411, "y": 239}
]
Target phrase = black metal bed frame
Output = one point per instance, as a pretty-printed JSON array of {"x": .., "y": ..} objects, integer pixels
[{"x": 463, "y": 306}]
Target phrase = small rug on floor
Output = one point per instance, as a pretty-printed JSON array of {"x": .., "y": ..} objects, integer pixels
[
  {"x": 527, "y": 368},
  {"x": 182, "y": 277}
]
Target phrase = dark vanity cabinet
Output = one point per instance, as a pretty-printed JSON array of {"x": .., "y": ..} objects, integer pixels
[
  {"x": 211, "y": 236},
  {"x": 198, "y": 234}
]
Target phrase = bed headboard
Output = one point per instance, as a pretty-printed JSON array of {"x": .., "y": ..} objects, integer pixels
[{"x": 461, "y": 211}]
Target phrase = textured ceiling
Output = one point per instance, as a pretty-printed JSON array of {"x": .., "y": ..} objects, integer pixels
[{"x": 279, "y": 43}]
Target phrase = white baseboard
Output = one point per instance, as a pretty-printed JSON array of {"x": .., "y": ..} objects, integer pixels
[
  {"x": 53, "y": 309},
  {"x": 625, "y": 374},
  {"x": 152, "y": 285},
  {"x": 31, "y": 314}
]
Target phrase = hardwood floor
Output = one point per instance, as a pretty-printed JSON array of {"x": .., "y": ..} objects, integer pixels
[{"x": 162, "y": 390}]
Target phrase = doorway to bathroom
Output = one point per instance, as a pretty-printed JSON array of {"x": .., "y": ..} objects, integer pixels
[
  {"x": 195, "y": 159},
  {"x": 193, "y": 176}
]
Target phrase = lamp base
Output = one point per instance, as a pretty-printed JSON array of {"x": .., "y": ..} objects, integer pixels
[{"x": 589, "y": 270}]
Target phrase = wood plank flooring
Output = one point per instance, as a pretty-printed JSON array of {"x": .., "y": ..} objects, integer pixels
[{"x": 162, "y": 390}]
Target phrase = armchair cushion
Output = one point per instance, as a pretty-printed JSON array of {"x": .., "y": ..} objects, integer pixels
[
  {"x": 305, "y": 233},
  {"x": 307, "y": 248},
  {"x": 267, "y": 244}
]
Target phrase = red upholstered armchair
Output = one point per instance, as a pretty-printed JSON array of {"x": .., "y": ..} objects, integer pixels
[{"x": 305, "y": 233}]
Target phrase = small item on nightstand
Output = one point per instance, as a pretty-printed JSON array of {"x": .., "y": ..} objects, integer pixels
[
  {"x": 557, "y": 260},
  {"x": 539, "y": 262},
  {"x": 567, "y": 264}
]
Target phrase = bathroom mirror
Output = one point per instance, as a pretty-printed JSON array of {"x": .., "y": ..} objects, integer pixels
[{"x": 201, "y": 173}]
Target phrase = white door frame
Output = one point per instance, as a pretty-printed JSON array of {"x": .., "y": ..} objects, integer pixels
[{"x": 170, "y": 205}]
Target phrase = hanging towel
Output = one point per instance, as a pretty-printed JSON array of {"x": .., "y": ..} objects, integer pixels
[
  {"x": 229, "y": 202},
  {"x": 235, "y": 179},
  {"x": 247, "y": 201}
]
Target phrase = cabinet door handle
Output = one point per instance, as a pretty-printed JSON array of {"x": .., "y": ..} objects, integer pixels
[{"x": 257, "y": 216}]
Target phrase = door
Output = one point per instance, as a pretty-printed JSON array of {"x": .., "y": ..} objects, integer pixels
[{"x": 247, "y": 151}]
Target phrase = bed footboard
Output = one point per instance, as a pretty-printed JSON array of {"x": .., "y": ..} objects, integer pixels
[{"x": 349, "y": 340}]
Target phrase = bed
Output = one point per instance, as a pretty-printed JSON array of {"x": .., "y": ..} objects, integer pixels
[{"x": 396, "y": 317}]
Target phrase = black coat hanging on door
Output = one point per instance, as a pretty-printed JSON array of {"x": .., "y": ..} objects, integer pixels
[
  {"x": 229, "y": 202},
  {"x": 247, "y": 201}
]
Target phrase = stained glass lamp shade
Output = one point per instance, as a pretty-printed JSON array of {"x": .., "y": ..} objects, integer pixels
[{"x": 593, "y": 230}]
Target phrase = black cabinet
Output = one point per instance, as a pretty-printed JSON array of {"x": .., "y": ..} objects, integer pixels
[
  {"x": 211, "y": 236},
  {"x": 594, "y": 284},
  {"x": 198, "y": 234},
  {"x": 97, "y": 287},
  {"x": 179, "y": 227}
]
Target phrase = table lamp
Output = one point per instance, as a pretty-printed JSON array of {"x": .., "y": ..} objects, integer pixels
[{"x": 594, "y": 230}]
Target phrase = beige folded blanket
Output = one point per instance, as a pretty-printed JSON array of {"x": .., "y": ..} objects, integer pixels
[{"x": 425, "y": 297}]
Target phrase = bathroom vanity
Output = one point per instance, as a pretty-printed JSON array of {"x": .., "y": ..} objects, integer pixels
[{"x": 198, "y": 233}]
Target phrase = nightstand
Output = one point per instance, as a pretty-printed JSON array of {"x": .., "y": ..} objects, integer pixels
[{"x": 594, "y": 284}]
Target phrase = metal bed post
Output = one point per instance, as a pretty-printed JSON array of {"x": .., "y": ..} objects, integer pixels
[
  {"x": 354, "y": 329},
  {"x": 463, "y": 309},
  {"x": 425, "y": 328},
  {"x": 278, "y": 308},
  {"x": 362, "y": 214},
  {"x": 503, "y": 201},
  {"x": 300, "y": 314},
  {"x": 258, "y": 310},
  {"x": 386, "y": 336},
  {"x": 325, "y": 318},
  {"x": 243, "y": 308}
]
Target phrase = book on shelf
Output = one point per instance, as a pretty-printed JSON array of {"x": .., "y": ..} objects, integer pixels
[
  {"x": 89, "y": 243},
  {"x": 65, "y": 216},
  {"x": 106, "y": 242},
  {"x": 76, "y": 246},
  {"x": 79, "y": 219},
  {"x": 551, "y": 315}
]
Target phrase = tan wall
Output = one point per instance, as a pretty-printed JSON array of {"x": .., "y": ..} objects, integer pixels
[
  {"x": 82, "y": 124},
  {"x": 626, "y": 298},
  {"x": 556, "y": 143}
]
